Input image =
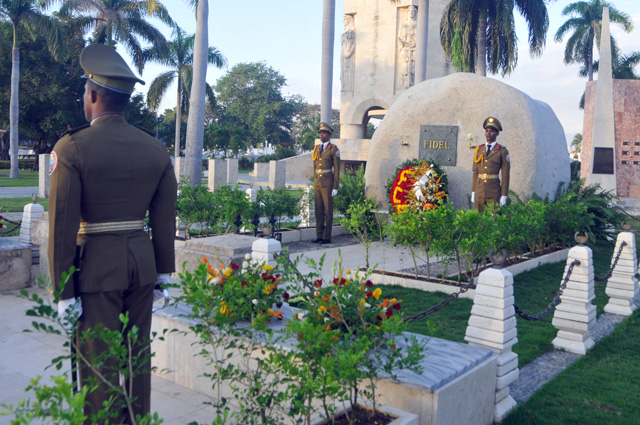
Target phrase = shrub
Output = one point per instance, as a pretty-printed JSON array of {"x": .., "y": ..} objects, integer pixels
[
  {"x": 281, "y": 203},
  {"x": 351, "y": 189}
]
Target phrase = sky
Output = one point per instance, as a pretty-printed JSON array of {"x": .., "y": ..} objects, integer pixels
[{"x": 286, "y": 34}]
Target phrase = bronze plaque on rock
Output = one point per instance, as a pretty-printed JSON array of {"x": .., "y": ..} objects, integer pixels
[
  {"x": 602, "y": 160},
  {"x": 439, "y": 143}
]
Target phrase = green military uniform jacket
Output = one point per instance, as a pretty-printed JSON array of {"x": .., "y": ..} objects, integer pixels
[
  {"x": 322, "y": 166},
  {"x": 486, "y": 187},
  {"x": 104, "y": 173}
]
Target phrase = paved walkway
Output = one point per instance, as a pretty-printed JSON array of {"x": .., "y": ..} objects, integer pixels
[{"x": 17, "y": 192}]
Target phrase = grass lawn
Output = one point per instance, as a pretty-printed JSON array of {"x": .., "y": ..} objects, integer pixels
[
  {"x": 533, "y": 291},
  {"x": 602, "y": 387},
  {"x": 26, "y": 179},
  {"x": 17, "y": 204}
]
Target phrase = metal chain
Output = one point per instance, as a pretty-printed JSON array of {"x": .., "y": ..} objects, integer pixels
[
  {"x": 17, "y": 224},
  {"x": 442, "y": 304},
  {"x": 613, "y": 265},
  {"x": 555, "y": 301}
]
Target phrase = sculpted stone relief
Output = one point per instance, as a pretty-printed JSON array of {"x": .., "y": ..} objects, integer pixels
[
  {"x": 348, "y": 54},
  {"x": 407, "y": 42}
]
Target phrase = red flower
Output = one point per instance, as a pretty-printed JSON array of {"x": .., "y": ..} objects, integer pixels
[
  {"x": 335, "y": 281},
  {"x": 299, "y": 336},
  {"x": 379, "y": 318},
  {"x": 369, "y": 294},
  {"x": 243, "y": 284},
  {"x": 317, "y": 283},
  {"x": 234, "y": 266},
  {"x": 389, "y": 313},
  {"x": 396, "y": 306},
  {"x": 369, "y": 283},
  {"x": 285, "y": 296},
  {"x": 279, "y": 305},
  {"x": 393, "y": 346}
]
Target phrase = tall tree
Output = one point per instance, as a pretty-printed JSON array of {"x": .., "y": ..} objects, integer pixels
[
  {"x": 251, "y": 93},
  {"x": 585, "y": 20},
  {"x": 120, "y": 21},
  {"x": 27, "y": 15},
  {"x": 179, "y": 58},
  {"x": 482, "y": 33},
  {"x": 195, "y": 123}
]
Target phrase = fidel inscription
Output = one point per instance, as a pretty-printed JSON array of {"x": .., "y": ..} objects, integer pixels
[
  {"x": 602, "y": 160},
  {"x": 439, "y": 143}
]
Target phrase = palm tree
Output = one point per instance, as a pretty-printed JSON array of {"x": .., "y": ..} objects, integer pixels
[
  {"x": 120, "y": 21},
  {"x": 27, "y": 15},
  {"x": 195, "y": 123},
  {"x": 586, "y": 23},
  {"x": 483, "y": 33},
  {"x": 180, "y": 59},
  {"x": 576, "y": 142}
]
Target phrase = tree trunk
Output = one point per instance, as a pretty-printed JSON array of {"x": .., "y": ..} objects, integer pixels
[
  {"x": 13, "y": 113},
  {"x": 195, "y": 122},
  {"x": 481, "y": 65},
  {"x": 178, "y": 125},
  {"x": 328, "y": 30}
]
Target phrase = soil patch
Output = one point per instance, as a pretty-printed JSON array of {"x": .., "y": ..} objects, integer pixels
[{"x": 363, "y": 418}]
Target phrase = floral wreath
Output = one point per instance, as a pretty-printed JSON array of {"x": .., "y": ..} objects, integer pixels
[{"x": 419, "y": 186}]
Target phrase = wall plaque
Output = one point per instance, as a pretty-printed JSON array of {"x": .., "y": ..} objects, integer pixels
[
  {"x": 439, "y": 143},
  {"x": 602, "y": 160}
]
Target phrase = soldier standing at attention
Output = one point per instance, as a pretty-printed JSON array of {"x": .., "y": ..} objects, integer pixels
[
  {"x": 105, "y": 176},
  {"x": 326, "y": 171},
  {"x": 489, "y": 159}
]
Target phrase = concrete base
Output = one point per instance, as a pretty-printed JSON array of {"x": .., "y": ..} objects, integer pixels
[
  {"x": 503, "y": 408},
  {"x": 15, "y": 261},
  {"x": 456, "y": 387},
  {"x": 401, "y": 417},
  {"x": 620, "y": 309},
  {"x": 573, "y": 342}
]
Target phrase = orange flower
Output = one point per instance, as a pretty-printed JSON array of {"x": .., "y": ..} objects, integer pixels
[
  {"x": 204, "y": 260},
  {"x": 326, "y": 298}
]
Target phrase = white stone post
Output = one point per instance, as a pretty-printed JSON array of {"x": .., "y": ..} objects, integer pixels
[
  {"x": 217, "y": 174},
  {"x": 44, "y": 167},
  {"x": 232, "y": 171},
  {"x": 252, "y": 194},
  {"x": 575, "y": 316},
  {"x": 263, "y": 250},
  {"x": 307, "y": 212},
  {"x": 277, "y": 174},
  {"x": 622, "y": 286},
  {"x": 492, "y": 325},
  {"x": 29, "y": 213}
]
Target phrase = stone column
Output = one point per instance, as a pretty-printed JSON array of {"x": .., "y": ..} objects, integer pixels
[
  {"x": 622, "y": 286},
  {"x": 44, "y": 167},
  {"x": 263, "y": 250},
  {"x": 232, "y": 171},
  {"x": 307, "y": 212},
  {"x": 422, "y": 32},
  {"x": 217, "y": 174},
  {"x": 575, "y": 316},
  {"x": 29, "y": 213},
  {"x": 492, "y": 325},
  {"x": 277, "y": 174},
  {"x": 178, "y": 168}
]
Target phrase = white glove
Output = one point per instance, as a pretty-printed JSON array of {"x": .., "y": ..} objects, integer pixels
[
  {"x": 70, "y": 310},
  {"x": 161, "y": 296},
  {"x": 473, "y": 197},
  {"x": 503, "y": 201},
  {"x": 334, "y": 192}
]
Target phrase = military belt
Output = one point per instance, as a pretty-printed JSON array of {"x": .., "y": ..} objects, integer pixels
[
  {"x": 114, "y": 226},
  {"x": 328, "y": 170},
  {"x": 488, "y": 176}
]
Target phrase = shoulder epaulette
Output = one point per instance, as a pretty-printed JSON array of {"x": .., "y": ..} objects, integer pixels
[
  {"x": 75, "y": 130},
  {"x": 146, "y": 131}
]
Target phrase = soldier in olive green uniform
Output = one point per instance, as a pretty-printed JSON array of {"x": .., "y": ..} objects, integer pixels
[
  {"x": 326, "y": 170},
  {"x": 489, "y": 160},
  {"x": 105, "y": 176}
]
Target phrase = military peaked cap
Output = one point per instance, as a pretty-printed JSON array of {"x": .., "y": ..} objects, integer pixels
[
  {"x": 105, "y": 67},
  {"x": 323, "y": 126},
  {"x": 492, "y": 122}
]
